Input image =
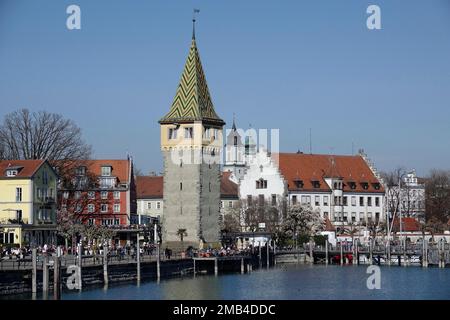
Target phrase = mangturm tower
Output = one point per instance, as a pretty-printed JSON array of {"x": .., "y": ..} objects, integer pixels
[{"x": 191, "y": 143}]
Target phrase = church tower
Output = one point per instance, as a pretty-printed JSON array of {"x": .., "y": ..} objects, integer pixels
[
  {"x": 234, "y": 154},
  {"x": 191, "y": 144}
]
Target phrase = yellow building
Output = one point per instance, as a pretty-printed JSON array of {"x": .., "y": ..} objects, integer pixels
[{"x": 27, "y": 202}]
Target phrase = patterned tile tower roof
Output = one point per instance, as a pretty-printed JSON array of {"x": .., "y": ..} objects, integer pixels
[{"x": 192, "y": 100}]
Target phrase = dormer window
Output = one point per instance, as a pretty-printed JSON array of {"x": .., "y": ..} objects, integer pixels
[
  {"x": 106, "y": 171},
  {"x": 376, "y": 186},
  {"x": 298, "y": 183},
  {"x": 11, "y": 173},
  {"x": 316, "y": 184},
  {"x": 365, "y": 185},
  {"x": 352, "y": 185}
]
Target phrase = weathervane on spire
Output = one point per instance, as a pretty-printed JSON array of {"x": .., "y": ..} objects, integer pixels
[{"x": 193, "y": 22}]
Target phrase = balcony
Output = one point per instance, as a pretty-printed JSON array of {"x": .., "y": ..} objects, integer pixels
[{"x": 107, "y": 182}]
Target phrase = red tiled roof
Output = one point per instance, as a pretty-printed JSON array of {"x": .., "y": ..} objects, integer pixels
[
  {"x": 120, "y": 168},
  {"x": 228, "y": 188},
  {"x": 408, "y": 225},
  {"x": 310, "y": 167},
  {"x": 149, "y": 187},
  {"x": 28, "y": 170}
]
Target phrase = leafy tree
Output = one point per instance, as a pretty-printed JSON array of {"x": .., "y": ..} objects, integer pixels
[{"x": 301, "y": 220}]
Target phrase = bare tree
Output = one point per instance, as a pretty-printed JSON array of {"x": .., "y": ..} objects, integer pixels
[
  {"x": 437, "y": 190},
  {"x": 41, "y": 135},
  {"x": 262, "y": 212},
  {"x": 232, "y": 219}
]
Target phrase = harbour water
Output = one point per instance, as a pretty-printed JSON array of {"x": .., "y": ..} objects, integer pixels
[{"x": 317, "y": 282}]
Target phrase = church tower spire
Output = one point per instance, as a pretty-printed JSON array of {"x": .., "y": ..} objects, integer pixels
[{"x": 191, "y": 144}]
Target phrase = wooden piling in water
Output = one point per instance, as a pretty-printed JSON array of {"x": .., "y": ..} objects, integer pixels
[
  {"x": 34, "y": 271},
  {"x": 388, "y": 252},
  {"x": 195, "y": 271},
  {"x": 158, "y": 262},
  {"x": 274, "y": 253},
  {"x": 404, "y": 253},
  {"x": 425, "y": 255},
  {"x": 268, "y": 255},
  {"x": 216, "y": 267},
  {"x": 370, "y": 252},
  {"x": 80, "y": 261},
  {"x": 342, "y": 253},
  {"x": 242, "y": 266},
  {"x": 326, "y": 251},
  {"x": 45, "y": 275},
  {"x": 105, "y": 264},
  {"x": 311, "y": 252},
  {"x": 138, "y": 259},
  {"x": 259, "y": 255},
  {"x": 57, "y": 275}
]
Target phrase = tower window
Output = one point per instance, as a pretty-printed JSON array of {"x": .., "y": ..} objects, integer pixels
[
  {"x": 172, "y": 133},
  {"x": 181, "y": 185},
  {"x": 235, "y": 141},
  {"x": 188, "y": 133}
]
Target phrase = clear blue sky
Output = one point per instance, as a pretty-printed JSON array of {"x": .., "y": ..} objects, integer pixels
[{"x": 292, "y": 65}]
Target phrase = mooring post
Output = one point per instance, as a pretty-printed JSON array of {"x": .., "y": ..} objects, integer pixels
[
  {"x": 342, "y": 253},
  {"x": 105, "y": 264},
  {"x": 57, "y": 275},
  {"x": 425, "y": 257},
  {"x": 242, "y": 266},
  {"x": 80, "y": 261},
  {"x": 138, "y": 258},
  {"x": 34, "y": 271},
  {"x": 158, "y": 261},
  {"x": 194, "y": 267},
  {"x": 311, "y": 253},
  {"x": 259, "y": 255},
  {"x": 388, "y": 252},
  {"x": 355, "y": 250},
  {"x": 274, "y": 253},
  {"x": 370, "y": 252},
  {"x": 326, "y": 251},
  {"x": 45, "y": 275},
  {"x": 216, "y": 267},
  {"x": 268, "y": 255},
  {"x": 404, "y": 253}
]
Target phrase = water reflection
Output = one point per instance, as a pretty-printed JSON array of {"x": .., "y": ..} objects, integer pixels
[
  {"x": 284, "y": 282},
  {"x": 198, "y": 288}
]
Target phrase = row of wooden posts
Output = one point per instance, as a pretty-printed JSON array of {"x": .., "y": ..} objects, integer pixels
[
  {"x": 57, "y": 285},
  {"x": 406, "y": 261}
]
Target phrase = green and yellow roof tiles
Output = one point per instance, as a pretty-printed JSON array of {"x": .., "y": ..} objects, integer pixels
[{"x": 192, "y": 100}]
